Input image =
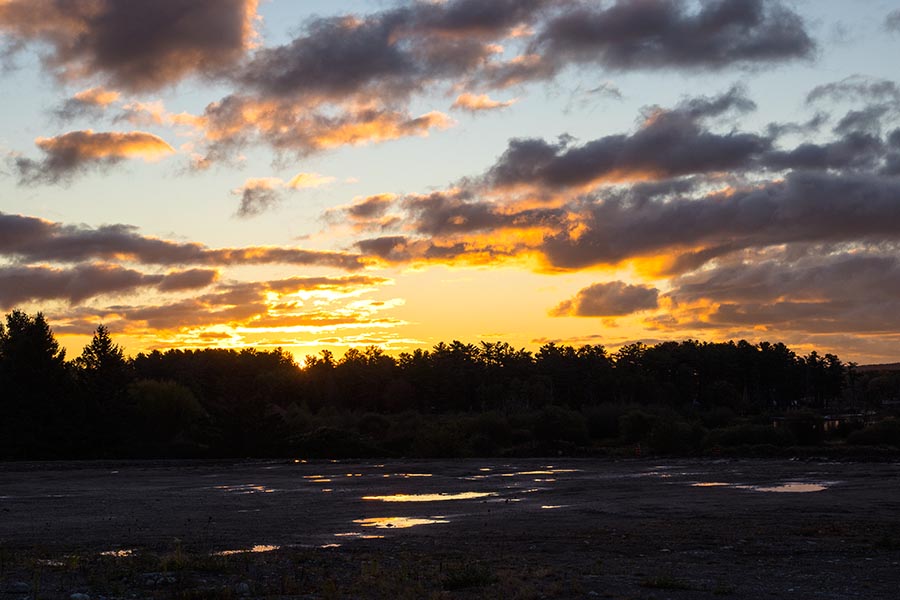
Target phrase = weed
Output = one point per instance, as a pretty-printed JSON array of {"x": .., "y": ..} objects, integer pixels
[
  {"x": 665, "y": 582},
  {"x": 469, "y": 575}
]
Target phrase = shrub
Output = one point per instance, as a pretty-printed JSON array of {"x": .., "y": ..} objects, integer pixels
[
  {"x": 882, "y": 433},
  {"x": 635, "y": 425},
  {"x": 748, "y": 435}
]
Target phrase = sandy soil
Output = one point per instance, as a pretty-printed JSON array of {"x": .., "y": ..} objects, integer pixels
[{"x": 475, "y": 528}]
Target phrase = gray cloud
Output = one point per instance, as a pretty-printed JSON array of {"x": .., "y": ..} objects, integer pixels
[
  {"x": 22, "y": 283},
  {"x": 612, "y": 299},
  {"x": 662, "y": 34},
  {"x": 670, "y": 143},
  {"x": 72, "y": 153},
  {"x": 892, "y": 21},
  {"x": 814, "y": 292},
  {"x": 805, "y": 207},
  {"x": 257, "y": 200},
  {"x": 138, "y": 45},
  {"x": 24, "y": 238}
]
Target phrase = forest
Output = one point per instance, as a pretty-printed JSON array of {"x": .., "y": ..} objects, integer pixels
[{"x": 455, "y": 400}]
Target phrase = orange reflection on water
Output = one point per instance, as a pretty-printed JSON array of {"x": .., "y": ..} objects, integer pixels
[
  {"x": 399, "y": 522},
  {"x": 430, "y": 497},
  {"x": 255, "y": 549}
]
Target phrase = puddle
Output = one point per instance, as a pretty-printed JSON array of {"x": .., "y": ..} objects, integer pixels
[
  {"x": 791, "y": 487},
  {"x": 547, "y": 471},
  {"x": 330, "y": 546},
  {"x": 245, "y": 488},
  {"x": 252, "y": 550},
  {"x": 118, "y": 553},
  {"x": 430, "y": 497},
  {"x": 553, "y": 506},
  {"x": 794, "y": 487},
  {"x": 399, "y": 522},
  {"x": 359, "y": 536}
]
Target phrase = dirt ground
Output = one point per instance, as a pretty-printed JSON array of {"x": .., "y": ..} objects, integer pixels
[{"x": 567, "y": 528}]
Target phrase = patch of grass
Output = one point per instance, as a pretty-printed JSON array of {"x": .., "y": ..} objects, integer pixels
[
  {"x": 469, "y": 575},
  {"x": 665, "y": 582},
  {"x": 723, "y": 589}
]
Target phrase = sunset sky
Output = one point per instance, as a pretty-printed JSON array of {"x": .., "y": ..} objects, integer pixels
[{"x": 319, "y": 174}]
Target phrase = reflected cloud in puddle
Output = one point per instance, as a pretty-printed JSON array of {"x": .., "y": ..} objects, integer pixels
[
  {"x": 794, "y": 487},
  {"x": 547, "y": 471},
  {"x": 245, "y": 488},
  {"x": 791, "y": 487},
  {"x": 252, "y": 550},
  {"x": 118, "y": 553},
  {"x": 359, "y": 536},
  {"x": 430, "y": 497},
  {"x": 553, "y": 506},
  {"x": 399, "y": 522}
]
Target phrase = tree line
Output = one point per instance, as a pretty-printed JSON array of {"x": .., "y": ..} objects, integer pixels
[{"x": 455, "y": 399}]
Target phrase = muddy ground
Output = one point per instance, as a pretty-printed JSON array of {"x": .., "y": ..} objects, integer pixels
[{"x": 450, "y": 529}]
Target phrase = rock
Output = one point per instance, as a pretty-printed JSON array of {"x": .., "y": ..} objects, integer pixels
[
  {"x": 242, "y": 589},
  {"x": 79, "y": 596},
  {"x": 19, "y": 587}
]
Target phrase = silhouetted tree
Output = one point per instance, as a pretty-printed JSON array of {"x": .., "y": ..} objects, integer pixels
[
  {"x": 36, "y": 404},
  {"x": 103, "y": 374}
]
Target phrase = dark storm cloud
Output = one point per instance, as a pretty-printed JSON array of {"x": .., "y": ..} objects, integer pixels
[
  {"x": 24, "y": 238},
  {"x": 612, "y": 299},
  {"x": 662, "y": 34},
  {"x": 670, "y": 143},
  {"x": 73, "y": 153},
  {"x": 22, "y": 283},
  {"x": 137, "y": 45},
  {"x": 805, "y": 207}
]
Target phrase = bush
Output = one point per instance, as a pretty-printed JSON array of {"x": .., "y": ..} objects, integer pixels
[
  {"x": 748, "y": 435},
  {"x": 557, "y": 424},
  {"x": 672, "y": 435},
  {"x": 882, "y": 433},
  {"x": 635, "y": 425},
  {"x": 603, "y": 421},
  {"x": 163, "y": 409}
]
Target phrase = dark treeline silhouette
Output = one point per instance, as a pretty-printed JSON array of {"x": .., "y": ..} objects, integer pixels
[{"x": 456, "y": 399}]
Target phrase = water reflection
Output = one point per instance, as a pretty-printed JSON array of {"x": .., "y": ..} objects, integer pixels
[
  {"x": 399, "y": 522},
  {"x": 118, "y": 553},
  {"x": 430, "y": 497},
  {"x": 245, "y": 488},
  {"x": 255, "y": 549},
  {"x": 795, "y": 487}
]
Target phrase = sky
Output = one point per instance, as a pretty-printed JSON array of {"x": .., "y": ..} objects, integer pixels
[{"x": 327, "y": 174}]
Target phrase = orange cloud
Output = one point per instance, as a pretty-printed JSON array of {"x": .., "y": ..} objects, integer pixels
[
  {"x": 476, "y": 103},
  {"x": 89, "y": 146},
  {"x": 97, "y": 96}
]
